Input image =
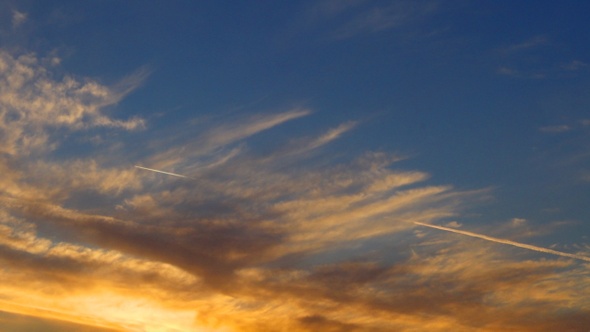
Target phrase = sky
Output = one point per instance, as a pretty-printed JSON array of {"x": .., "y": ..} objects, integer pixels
[{"x": 326, "y": 165}]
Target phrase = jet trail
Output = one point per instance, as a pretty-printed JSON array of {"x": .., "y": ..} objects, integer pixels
[
  {"x": 155, "y": 170},
  {"x": 508, "y": 242}
]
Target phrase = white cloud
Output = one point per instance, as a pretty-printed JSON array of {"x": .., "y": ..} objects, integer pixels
[{"x": 33, "y": 104}]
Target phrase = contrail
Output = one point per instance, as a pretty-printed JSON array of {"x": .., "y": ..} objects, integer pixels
[
  {"x": 508, "y": 242},
  {"x": 155, "y": 170}
]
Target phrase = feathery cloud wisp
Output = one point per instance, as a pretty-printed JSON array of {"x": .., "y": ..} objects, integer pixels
[{"x": 361, "y": 16}]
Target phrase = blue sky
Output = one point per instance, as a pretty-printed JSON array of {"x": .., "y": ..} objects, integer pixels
[{"x": 304, "y": 144}]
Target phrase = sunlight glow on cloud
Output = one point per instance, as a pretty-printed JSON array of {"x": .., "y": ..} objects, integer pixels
[{"x": 32, "y": 103}]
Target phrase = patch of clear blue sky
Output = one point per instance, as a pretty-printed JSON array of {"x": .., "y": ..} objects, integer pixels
[{"x": 465, "y": 86}]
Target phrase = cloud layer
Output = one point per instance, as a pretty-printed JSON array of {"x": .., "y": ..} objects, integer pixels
[{"x": 290, "y": 239}]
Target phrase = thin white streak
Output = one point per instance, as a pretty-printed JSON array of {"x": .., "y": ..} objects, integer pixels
[
  {"x": 229, "y": 134},
  {"x": 332, "y": 134},
  {"x": 155, "y": 170},
  {"x": 224, "y": 159},
  {"x": 508, "y": 242}
]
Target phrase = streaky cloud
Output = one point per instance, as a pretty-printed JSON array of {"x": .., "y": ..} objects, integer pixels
[
  {"x": 228, "y": 134},
  {"x": 332, "y": 134},
  {"x": 504, "y": 241},
  {"x": 222, "y": 136},
  {"x": 380, "y": 18},
  {"x": 526, "y": 45},
  {"x": 555, "y": 129}
]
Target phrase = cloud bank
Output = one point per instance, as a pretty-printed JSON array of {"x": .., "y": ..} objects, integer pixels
[{"x": 282, "y": 240}]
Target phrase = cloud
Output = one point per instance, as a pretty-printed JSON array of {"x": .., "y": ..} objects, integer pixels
[
  {"x": 16, "y": 322},
  {"x": 71, "y": 273},
  {"x": 531, "y": 59},
  {"x": 321, "y": 323},
  {"x": 518, "y": 221},
  {"x": 454, "y": 224},
  {"x": 333, "y": 7},
  {"x": 383, "y": 18},
  {"x": 33, "y": 104},
  {"x": 507, "y": 71},
  {"x": 215, "y": 139},
  {"x": 578, "y": 125},
  {"x": 332, "y": 135},
  {"x": 531, "y": 43},
  {"x": 226, "y": 134},
  {"x": 18, "y": 18},
  {"x": 534, "y": 74},
  {"x": 255, "y": 241},
  {"x": 555, "y": 129},
  {"x": 406, "y": 296},
  {"x": 361, "y": 17},
  {"x": 575, "y": 65}
]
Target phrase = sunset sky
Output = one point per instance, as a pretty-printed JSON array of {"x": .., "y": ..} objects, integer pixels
[{"x": 325, "y": 165}]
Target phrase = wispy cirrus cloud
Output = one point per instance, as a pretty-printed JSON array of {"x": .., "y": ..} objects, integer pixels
[
  {"x": 555, "y": 129},
  {"x": 578, "y": 125},
  {"x": 217, "y": 143},
  {"x": 575, "y": 65},
  {"x": 332, "y": 7},
  {"x": 534, "y": 42},
  {"x": 352, "y": 18},
  {"x": 535, "y": 59}
]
